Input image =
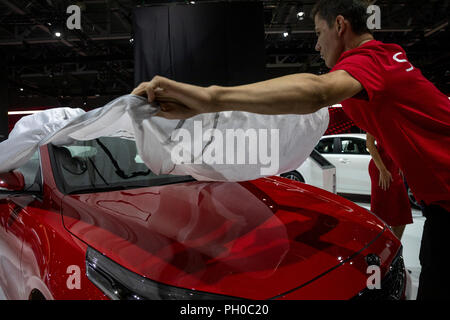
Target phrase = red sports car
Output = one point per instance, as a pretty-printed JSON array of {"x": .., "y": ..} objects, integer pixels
[{"x": 89, "y": 221}]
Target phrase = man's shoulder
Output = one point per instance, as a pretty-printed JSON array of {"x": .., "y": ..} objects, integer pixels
[
  {"x": 371, "y": 57},
  {"x": 373, "y": 49}
]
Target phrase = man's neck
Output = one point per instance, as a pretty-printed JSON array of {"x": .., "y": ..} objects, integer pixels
[{"x": 358, "y": 41}]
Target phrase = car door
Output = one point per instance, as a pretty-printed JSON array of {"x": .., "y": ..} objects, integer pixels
[
  {"x": 12, "y": 230},
  {"x": 330, "y": 150},
  {"x": 352, "y": 166}
]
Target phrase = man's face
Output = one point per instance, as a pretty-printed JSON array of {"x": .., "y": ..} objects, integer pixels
[{"x": 328, "y": 43}]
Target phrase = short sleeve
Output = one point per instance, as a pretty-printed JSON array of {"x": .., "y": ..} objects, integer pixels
[{"x": 364, "y": 68}]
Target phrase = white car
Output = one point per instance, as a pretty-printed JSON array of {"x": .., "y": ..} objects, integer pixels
[
  {"x": 316, "y": 171},
  {"x": 348, "y": 153}
]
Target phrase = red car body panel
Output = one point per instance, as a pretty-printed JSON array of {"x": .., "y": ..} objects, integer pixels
[
  {"x": 39, "y": 250},
  {"x": 261, "y": 239}
]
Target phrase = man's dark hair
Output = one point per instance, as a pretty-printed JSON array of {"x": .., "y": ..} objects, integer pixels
[{"x": 355, "y": 11}]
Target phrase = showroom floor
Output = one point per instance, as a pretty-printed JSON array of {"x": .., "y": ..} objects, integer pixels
[{"x": 411, "y": 246}]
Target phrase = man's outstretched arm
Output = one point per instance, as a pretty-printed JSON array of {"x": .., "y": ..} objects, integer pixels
[{"x": 293, "y": 94}]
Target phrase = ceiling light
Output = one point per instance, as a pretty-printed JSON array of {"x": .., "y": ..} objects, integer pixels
[
  {"x": 300, "y": 15},
  {"x": 12, "y": 113},
  {"x": 58, "y": 34}
]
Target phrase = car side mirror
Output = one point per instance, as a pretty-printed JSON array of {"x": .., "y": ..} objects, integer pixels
[{"x": 12, "y": 181}]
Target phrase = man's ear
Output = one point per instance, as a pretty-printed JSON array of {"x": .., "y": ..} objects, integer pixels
[{"x": 340, "y": 24}]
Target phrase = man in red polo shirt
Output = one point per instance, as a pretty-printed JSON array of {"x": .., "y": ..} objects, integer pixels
[{"x": 379, "y": 89}]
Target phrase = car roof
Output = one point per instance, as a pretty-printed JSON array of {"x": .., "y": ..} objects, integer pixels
[{"x": 347, "y": 135}]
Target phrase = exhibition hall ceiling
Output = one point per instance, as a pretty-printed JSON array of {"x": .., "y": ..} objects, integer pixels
[{"x": 45, "y": 59}]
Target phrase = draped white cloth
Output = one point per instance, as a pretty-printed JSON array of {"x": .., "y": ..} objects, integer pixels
[{"x": 225, "y": 146}]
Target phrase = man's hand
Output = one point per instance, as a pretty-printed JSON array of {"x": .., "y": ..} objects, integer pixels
[{"x": 177, "y": 100}]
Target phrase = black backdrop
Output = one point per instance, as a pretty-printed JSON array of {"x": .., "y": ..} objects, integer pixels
[{"x": 210, "y": 43}]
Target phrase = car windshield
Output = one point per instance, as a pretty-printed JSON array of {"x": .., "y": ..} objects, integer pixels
[{"x": 104, "y": 164}]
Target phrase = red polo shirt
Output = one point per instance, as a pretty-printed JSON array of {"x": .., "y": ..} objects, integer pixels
[{"x": 406, "y": 113}]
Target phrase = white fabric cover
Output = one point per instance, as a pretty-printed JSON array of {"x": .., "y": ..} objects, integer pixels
[{"x": 156, "y": 138}]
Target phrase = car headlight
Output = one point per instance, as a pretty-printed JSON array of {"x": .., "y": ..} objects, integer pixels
[{"x": 119, "y": 283}]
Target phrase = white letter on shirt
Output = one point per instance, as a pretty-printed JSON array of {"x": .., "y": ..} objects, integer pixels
[{"x": 402, "y": 60}]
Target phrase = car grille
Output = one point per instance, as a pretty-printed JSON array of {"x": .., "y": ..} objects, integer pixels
[{"x": 392, "y": 285}]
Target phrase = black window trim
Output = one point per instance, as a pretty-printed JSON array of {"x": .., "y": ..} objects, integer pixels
[
  {"x": 57, "y": 175},
  {"x": 351, "y": 154},
  {"x": 333, "y": 139}
]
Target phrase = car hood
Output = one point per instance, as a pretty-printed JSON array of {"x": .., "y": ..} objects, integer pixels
[{"x": 255, "y": 239}]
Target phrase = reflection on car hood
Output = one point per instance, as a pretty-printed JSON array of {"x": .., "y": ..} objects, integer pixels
[{"x": 268, "y": 235}]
